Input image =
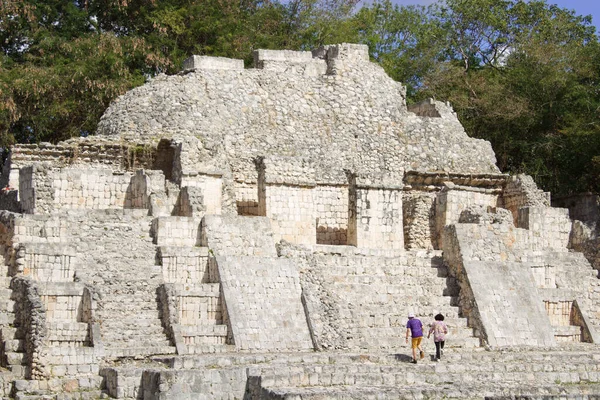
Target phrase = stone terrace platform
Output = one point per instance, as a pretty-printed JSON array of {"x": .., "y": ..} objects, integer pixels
[{"x": 567, "y": 372}]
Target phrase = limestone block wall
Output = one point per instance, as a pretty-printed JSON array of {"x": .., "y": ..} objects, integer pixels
[
  {"x": 495, "y": 292},
  {"x": 30, "y": 320},
  {"x": 289, "y": 62},
  {"x": 331, "y": 208},
  {"x": 544, "y": 275},
  {"x": 418, "y": 208},
  {"x": 450, "y": 203},
  {"x": 376, "y": 219},
  {"x": 285, "y": 196},
  {"x": 184, "y": 264},
  {"x": 62, "y": 301},
  {"x": 35, "y": 189},
  {"x": 521, "y": 191},
  {"x": 196, "y": 309},
  {"x": 176, "y": 231},
  {"x": 236, "y": 235},
  {"x": 264, "y": 303},
  {"x": 549, "y": 227},
  {"x": 47, "y": 262},
  {"x": 559, "y": 312},
  {"x": 211, "y": 187},
  {"x": 43, "y": 190},
  {"x": 52, "y": 229},
  {"x": 76, "y": 188},
  {"x": 190, "y": 202},
  {"x": 291, "y": 211},
  {"x": 94, "y": 150},
  {"x": 246, "y": 197},
  {"x": 194, "y": 383}
]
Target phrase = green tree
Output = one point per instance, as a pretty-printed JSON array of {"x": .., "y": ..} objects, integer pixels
[{"x": 524, "y": 76}]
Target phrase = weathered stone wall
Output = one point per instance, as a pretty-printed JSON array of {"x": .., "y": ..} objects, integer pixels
[
  {"x": 419, "y": 219},
  {"x": 331, "y": 209},
  {"x": 47, "y": 262},
  {"x": 521, "y": 191},
  {"x": 240, "y": 236},
  {"x": 176, "y": 231},
  {"x": 451, "y": 203},
  {"x": 550, "y": 227},
  {"x": 376, "y": 219},
  {"x": 30, "y": 316},
  {"x": 184, "y": 264},
  {"x": 261, "y": 292},
  {"x": 264, "y": 304},
  {"x": 44, "y": 190},
  {"x": 246, "y": 197},
  {"x": 238, "y": 115},
  {"x": 496, "y": 291}
]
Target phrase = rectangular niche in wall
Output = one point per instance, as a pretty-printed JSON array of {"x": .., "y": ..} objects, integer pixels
[
  {"x": 331, "y": 208},
  {"x": 246, "y": 197}
]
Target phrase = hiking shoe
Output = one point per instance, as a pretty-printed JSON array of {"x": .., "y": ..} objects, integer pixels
[
  {"x": 414, "y": 361},
  {"x": 422, "y": 355}
]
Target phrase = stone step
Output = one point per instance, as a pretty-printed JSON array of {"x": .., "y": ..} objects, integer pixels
[
  {"x": 425, "y": 391},
  {"x": 141, "y": 322},
  {"x": 386, "y": 292},
  {"x": 204, "y": 330},
  {"x": 136, "y": 340},
  {"x": 14, "y": 345},
  {"x": 398, "y": 316},
  {"x": 15, "y": 358},
  {"x": 6, "y": 318},
  {"x": 209, "y": 349},
  {"x": 73, "y": 370},
  {"x": 9, "y": 332},
  {"x": 83, "y": 386},
  {"x": 405, "y": 373},
  {"x": 361, "y": 320},
  {"x": 131, "y": 351}
]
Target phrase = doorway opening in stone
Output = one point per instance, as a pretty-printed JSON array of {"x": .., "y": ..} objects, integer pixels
[{"x": 163, "y": 161}]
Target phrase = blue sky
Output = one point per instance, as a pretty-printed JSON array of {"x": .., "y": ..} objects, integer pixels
[{"x": 581, "y": 7}]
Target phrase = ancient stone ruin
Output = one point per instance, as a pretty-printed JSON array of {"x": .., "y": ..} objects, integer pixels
[{"x": 262, "y": 233}]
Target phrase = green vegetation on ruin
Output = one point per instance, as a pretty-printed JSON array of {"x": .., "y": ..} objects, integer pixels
[{"x": 523, "y": 75}]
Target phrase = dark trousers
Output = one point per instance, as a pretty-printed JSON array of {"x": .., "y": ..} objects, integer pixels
[{"x": 438, "y": 349}]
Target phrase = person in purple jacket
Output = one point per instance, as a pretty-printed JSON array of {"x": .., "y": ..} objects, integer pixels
[{"x": 414, "y": 327}]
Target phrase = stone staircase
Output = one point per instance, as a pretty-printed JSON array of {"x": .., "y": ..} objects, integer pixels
[
  {"x": 465, "y": 375},
  {"x": 194, "y": 286},
  {"x": 116, "y": 257},
  {"x": 567, "y": 372},
  {"x": 129, "y": 321},
  {"x": 119, "y": 261},
  {"x": 377, "y": 292}
]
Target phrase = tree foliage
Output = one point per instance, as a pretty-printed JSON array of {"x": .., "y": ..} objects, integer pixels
[{"x": 524, "y": 75}]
